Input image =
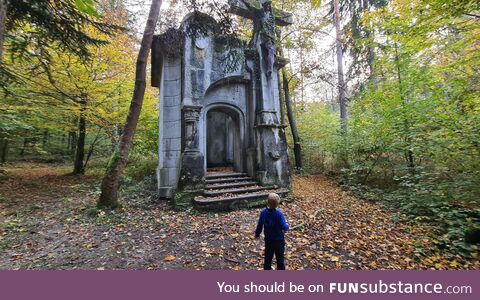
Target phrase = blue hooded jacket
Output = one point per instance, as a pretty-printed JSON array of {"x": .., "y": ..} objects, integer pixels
[{"x": 273, "y": 221}]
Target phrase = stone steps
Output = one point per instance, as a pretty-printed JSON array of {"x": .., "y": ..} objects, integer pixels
[
  {"x": 218, "y": 192},
  {"x": 235, "y": 201},
  {"x": 228, "y": 180},
  {"x": 230, "y": 185},
  {"x": 224, "y": 175},
  {"x": 233, "y": 190}
]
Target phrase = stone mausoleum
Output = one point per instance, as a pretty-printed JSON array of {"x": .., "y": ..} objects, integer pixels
[{"x": 221, "y": 144}]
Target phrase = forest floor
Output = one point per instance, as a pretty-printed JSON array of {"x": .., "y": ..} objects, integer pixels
[{"x": 47, "y": 221}]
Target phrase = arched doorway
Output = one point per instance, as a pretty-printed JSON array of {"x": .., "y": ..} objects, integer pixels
[{"x": 224, "y": 138}]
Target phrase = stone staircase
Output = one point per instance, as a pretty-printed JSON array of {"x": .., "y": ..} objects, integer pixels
[{"x": 226, "y": 189}]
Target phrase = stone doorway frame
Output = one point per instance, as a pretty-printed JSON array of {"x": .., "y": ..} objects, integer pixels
[{"x": 238, "y": 117}]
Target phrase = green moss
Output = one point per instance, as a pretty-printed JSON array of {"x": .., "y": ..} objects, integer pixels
[
  {"x": 92, "y": 212},
  {"x": 254, "y": 3},
  {"x": 184, "y": 200},
  {"x": 113, "y": 162},
  {"x": 104, "y": 216}
]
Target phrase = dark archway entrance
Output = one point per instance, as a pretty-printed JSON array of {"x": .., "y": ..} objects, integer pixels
[{"x": 224, "y": 141}]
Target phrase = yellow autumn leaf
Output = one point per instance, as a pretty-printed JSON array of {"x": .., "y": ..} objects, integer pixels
[
  {"x": 169, "y": 258},
  {"x": 335, "y": 258}
]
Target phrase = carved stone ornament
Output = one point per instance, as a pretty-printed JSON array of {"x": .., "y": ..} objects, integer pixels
[
  {"x": 275, "y": 155},
  {"x": 201, "y": 43}
]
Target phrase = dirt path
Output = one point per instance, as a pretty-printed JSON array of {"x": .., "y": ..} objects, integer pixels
[{"x": 47, "y": 222}]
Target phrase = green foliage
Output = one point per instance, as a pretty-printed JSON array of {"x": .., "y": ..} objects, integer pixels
[
  {"x": 318, "y": 130},
  {"x": 447, "y": 205},
  {"x": 413, "y": 136},
  {"x": 40, "y": 110},
  {"x": 87, "y": 6},
  {"x": 141, "y": 165},
  {"x": 33, "y": 26}
]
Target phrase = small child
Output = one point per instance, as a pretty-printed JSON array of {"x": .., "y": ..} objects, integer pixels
[{"x": 273, "y": 221}]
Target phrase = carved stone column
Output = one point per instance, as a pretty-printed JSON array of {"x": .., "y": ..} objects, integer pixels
[
  {"x": 272, "y": 155},
  {"x": 191, "y": 117},
  {"x": 192, "y": 175}
]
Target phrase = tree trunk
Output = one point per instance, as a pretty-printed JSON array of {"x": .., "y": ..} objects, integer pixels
[
  {"x": 4, "y": 151},
  {"x": 118, "y": 161},
  {"x": 69, "y": 140},
  {"x": 73, "y": 143},
  {"x": 24, "y": 147},
  {"x": 297, "y": 148},
  {"x": 3, "y": 19},
  {"x": 45, "y": 138},
  {"x": 406, "y": 122},
  {"x": 92, "y": 146},
  {"x": 78, "y": 166},
  {"x": 342, "y": 98},
  {"x": 302, "y": 80},
  {"x": 370, "y": 56}
]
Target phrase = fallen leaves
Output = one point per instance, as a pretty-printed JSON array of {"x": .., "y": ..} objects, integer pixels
[
  {"x": 169, "y": 258},
  {"x": 332, "y": 230}
]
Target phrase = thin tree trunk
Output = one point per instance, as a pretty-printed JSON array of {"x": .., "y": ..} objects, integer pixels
[
  {"x": 3, "y": 19},
  {"x": 78, "y": 167},
  {"x": 368, "y": 36},
  {"x": 73, "y": 143},
  {"x": 24, "y": 148},
  {"x": 45, "y": 138},
  {"x": 406, "y": 122},
  {"x": 2, "y": 142},
  {"x": 370, "y": 55},
  {"x": 342, "y": 98},
  {"x": 297, "y": 148},
  {"x": 4, "y": 151},
  {"x": 68, "y": 142},
  {"x": 302, "y": 80},
  {"x": 90, "y": 150},
  {"x": 118, "y": 161}
]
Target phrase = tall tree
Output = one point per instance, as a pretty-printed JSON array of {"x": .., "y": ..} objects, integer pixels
[
  {"x": 406, "y": 122},
  {"x": 86, "y": 95},
  {"x": 297, "y": 147},
  {"x": 359, "y": 39},
  {"x": 78, "y": 166},
  {"x": 118, "y": 161},
  {"x": 51, "y": 25},
  {"x": 342, "y": 98},
  {"x": 3, "y": 19}
]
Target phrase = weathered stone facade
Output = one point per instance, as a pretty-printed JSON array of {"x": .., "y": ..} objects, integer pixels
[{"x": 211, "y": 118}]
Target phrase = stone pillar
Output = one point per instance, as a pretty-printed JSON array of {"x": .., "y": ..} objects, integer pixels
[
  {"x": 192, "y": 175},
  {"x": 191, "y": 117},
  {"x": 169, "y": 127},
  {"x": 272, "y": 152}
]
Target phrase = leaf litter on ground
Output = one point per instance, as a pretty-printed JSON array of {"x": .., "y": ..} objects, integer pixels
[{"x": 40, "y": 229}]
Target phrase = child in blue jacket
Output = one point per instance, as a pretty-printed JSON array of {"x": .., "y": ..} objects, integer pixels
[{"x": 274, "y": 225}]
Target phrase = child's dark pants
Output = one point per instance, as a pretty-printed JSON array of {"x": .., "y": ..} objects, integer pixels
[{"x": 277, "y": 248}]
